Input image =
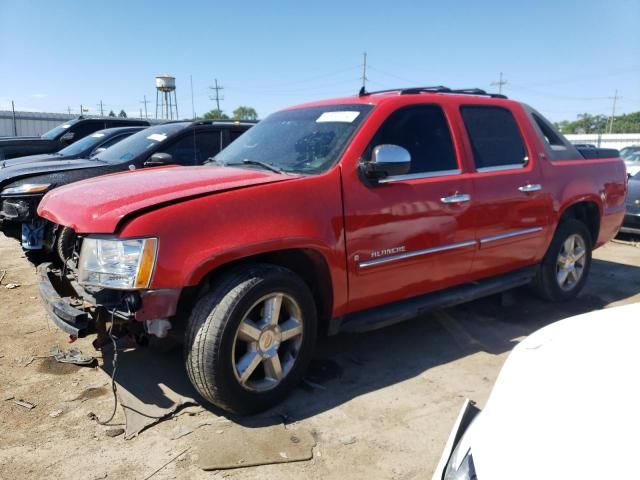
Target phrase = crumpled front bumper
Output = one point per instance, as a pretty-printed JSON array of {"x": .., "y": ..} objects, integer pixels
[
  {"x": 66, "y": 316},
  {"x": 76, "y": 310}
]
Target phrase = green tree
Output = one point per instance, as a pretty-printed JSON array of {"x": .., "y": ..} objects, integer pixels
[
  {"x": 215, "y": 114},
  {"x": 111, "y": 114},
  {"x": 245, "y": 113},
  {"x": 587, "y": 123},
  {"x": 122, "y": 114}
]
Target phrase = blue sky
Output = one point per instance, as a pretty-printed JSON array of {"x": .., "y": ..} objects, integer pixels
[{"x": 561, "y": 57}]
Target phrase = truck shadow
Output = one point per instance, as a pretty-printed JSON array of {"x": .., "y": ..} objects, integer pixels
[{"x": 350, "y": 365}]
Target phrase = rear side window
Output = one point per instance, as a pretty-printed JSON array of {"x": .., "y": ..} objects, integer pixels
[
  {"x": 424, "y": 132},
  {"x": 495, "y": 138}
]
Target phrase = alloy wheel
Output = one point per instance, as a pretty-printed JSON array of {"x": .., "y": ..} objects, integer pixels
[
  {"x": 267, "y": 342},
  {"x": 571, "y": 262}
]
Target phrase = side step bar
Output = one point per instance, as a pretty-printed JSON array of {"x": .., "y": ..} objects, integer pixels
[{"x": 397, "y": 312}]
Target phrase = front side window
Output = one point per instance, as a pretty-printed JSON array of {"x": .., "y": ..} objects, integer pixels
[
  {"x": 86, "y": 128},
  {"x": 194, "y": 148},
  {"x": 424, "y": 132},
  {"x": 495, "y": 138},
  {"x": 183, "y": 151},
  {"x": 208, "y": 144},
  {"x": 302, "y": 140}
]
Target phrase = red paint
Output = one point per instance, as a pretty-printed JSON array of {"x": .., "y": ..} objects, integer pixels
[{"x": 206, "y": 217}]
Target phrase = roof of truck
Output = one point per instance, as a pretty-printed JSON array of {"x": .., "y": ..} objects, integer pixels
[{"x": 383, "y": 96}]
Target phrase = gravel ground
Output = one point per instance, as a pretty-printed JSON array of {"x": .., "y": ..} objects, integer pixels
[{"x": 383, "y": 405}]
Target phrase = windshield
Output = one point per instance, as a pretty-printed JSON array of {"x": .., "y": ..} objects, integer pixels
[
  {"x": 628, "y": 153},
  {"x": 86, "y": 143},
  {"x": 140, "y": 142},
  {"x": 56, "y": 132},
  {"x": 304, "y": 140},
  {"x": 633, "y": 157}
]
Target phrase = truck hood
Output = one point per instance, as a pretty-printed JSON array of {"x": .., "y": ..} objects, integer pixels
[
  {"x": 98, "y": 205},
  {"x": 18, "y": 170},
  {"x": 565, "y": 402},
  {"x": 43, "y": 157},
  {"x": 12, "y": 141}
]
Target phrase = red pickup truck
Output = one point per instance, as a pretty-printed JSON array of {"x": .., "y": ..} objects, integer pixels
[{"x": 341, "y": 215}]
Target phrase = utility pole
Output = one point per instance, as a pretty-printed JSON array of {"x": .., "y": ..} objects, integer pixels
[
  {"x": 101, "y": 105},
  {"x": 69, "y": 109},
  {"x": 145, "y": 101},
  {"x": 364, "y": 72},
  {"x": 15, "y": 126},
  {"x": 193, "y": 109},
  {"x": 500, "y": 83},
  {"x": 615, "y": 99},
  {"x": 217, "y": 97}
]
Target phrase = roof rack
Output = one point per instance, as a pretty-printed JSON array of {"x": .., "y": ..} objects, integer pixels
[{"x": 436, "y": 89}]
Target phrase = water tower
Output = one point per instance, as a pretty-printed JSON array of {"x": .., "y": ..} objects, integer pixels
[{"x": 166, "y": 100}]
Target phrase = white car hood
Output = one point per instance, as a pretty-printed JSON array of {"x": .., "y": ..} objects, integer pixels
[{"x": 565, "y": 404}]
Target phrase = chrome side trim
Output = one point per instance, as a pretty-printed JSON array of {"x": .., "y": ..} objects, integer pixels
[
  {"x": 526, "y": 231},
  {"x": 513, "y": 166},
  {"x": 417, "y": 253},
  {"x": 416, "y": 176}
]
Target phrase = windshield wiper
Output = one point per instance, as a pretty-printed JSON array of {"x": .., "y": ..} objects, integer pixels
[{"x": 267, "y": 166}]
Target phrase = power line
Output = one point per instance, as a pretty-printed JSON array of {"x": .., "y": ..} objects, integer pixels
[
  {"x": 217, "y": 88},
  {"x": 499, "y": 83}
]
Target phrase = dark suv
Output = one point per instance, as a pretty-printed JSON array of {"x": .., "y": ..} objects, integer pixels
[
  {"x": 61, "y": 136},
  {"x": 22, "y": 186}
]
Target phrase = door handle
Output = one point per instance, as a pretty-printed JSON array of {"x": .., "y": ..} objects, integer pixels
[
  {"x": 456, "y": 198},
  {"x": 530, "y": 187}
]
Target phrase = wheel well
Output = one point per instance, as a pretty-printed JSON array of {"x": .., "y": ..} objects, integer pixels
[
  {"x": 308, "y": 264},
  {"x": 589, "y": 214}
]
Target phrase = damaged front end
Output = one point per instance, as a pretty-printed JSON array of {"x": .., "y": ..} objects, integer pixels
[
  {"x": 35, "y": 232},
  {"x": 80, "y": 306}
]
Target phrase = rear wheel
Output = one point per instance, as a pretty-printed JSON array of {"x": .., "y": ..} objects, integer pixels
[
  {"x": 250, "y": 338},
  {"x": 566, "y": 265}
]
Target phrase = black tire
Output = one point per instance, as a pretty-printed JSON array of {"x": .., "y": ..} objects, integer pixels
[
  {"x": 546, "y": 282},
  {"x": 65, "y": 241},
  {"x": 212, "y": 328}
]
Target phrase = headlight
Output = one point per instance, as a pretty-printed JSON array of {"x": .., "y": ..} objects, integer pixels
[
  {"x": 461, "y": 469},
  {"x": 119, "y": 264},
  {"x": 26, "y": 188},
  {"x": 460, "y": 465}
]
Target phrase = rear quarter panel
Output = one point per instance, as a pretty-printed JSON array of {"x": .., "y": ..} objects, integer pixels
[{"x": 601, "y": 181}]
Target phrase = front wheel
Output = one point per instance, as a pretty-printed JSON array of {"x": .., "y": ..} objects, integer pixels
[
  {"x": 565, "y": 267},
  {"x": 250, "y": 338}
]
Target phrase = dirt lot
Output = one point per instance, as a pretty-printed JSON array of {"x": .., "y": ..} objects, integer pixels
[{"x": 382, "y": 405}]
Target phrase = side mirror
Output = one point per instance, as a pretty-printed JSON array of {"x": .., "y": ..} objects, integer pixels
[
  {"x": 67, "y": 137},
  {"x": 98, "y": 150},
  {"x": 159, "y": 159},
  {"x": 387, "y": 161}
]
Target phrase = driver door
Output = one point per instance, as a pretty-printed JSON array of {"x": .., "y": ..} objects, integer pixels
[{"x": 410, "y": 234}]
